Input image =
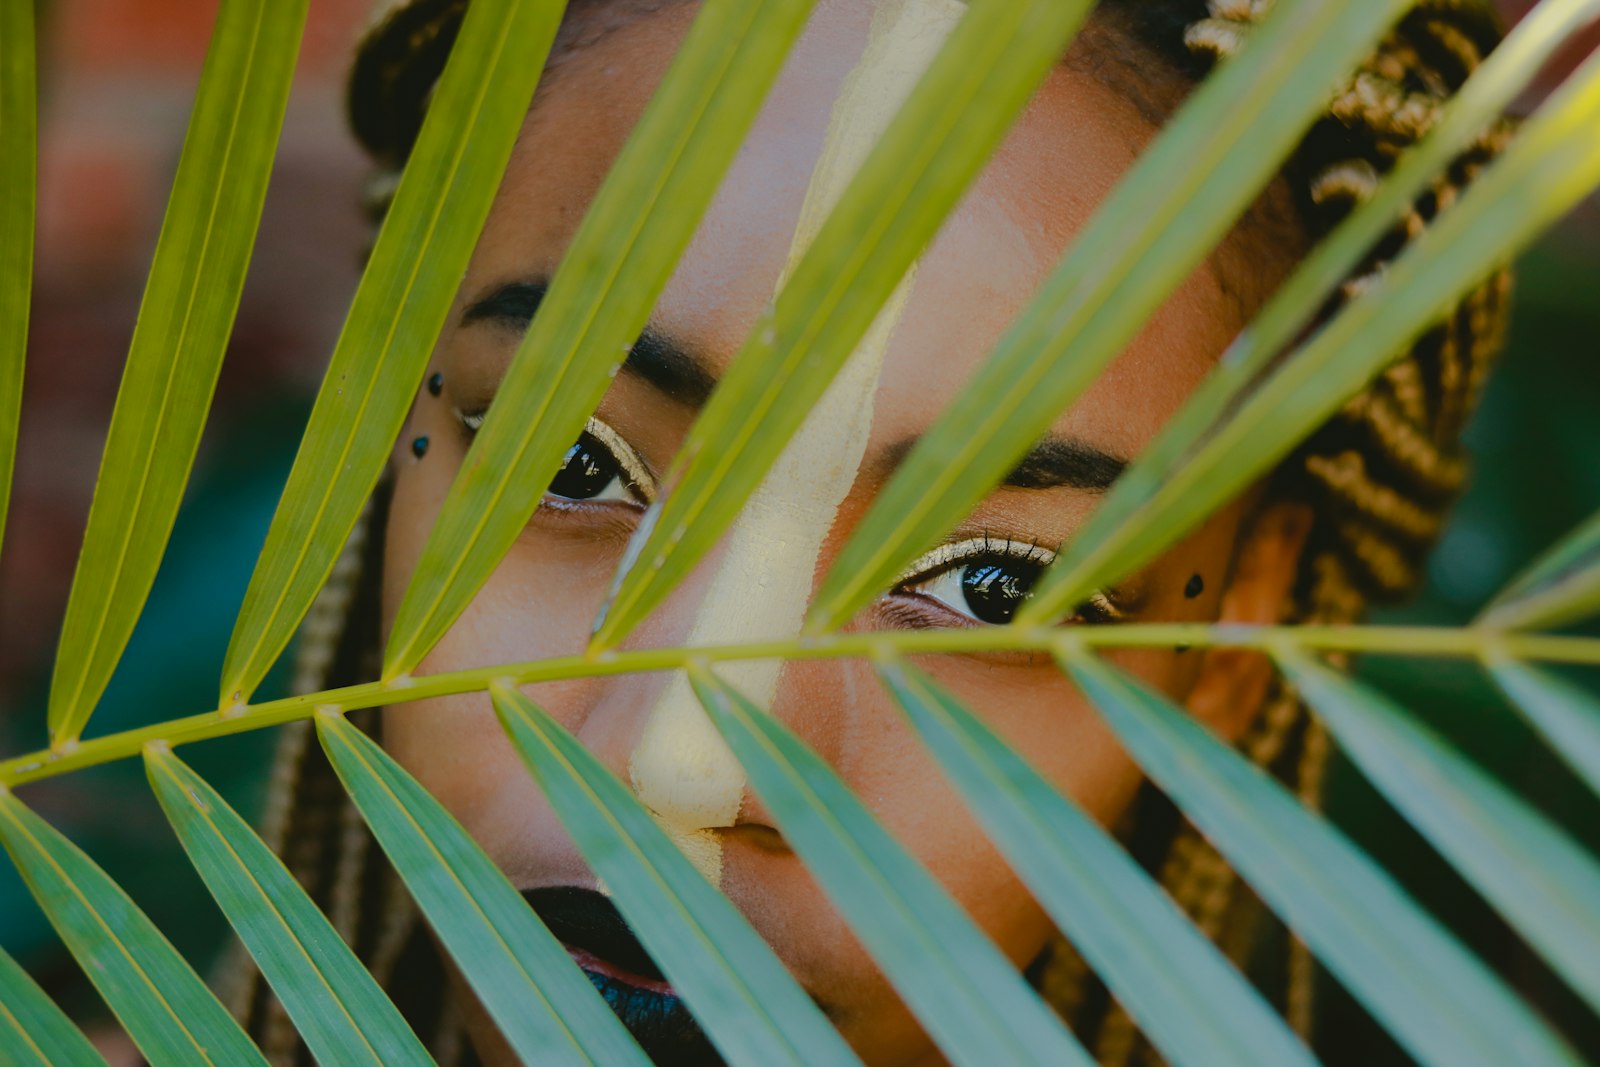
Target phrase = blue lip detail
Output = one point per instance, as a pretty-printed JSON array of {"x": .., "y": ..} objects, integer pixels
[{"x": 659, "y": 1021}]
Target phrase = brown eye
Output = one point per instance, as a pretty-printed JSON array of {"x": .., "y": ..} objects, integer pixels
[
  {"x": 590, "y": 472},
  {"x": 987, "y": 579},
  {"x": 993, "y": 591},
  {"x": 600, "y": 466}
]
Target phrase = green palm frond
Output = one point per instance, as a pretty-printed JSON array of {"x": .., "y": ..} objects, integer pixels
[
  {"x": 631, "y": 239},
  {"x": 753, "y": 1008},
  {"x": 871, "y": 218},
  {"x": 19, "y": 165},
  {"x": 1436, "y": 998},
  {"x": 334, "y": 1002},
  {"x": 189, "y": 304},
  {"x": 396, "y": 314},
  {"x": 972, "y": 1002},
  {"x": 165, "y": 1008},
  {"x": 527, "y": 982}
]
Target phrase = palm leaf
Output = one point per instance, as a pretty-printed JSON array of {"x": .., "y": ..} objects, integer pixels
[
  {"x": 543, "y": 1004},
  {"x": 852, "y": 259},
  {"x": 1562, "y": 586},
  {"x": 1536, "y": 876},
  {"x": 1552, "y": 166},
  {"x": 343, "y": 1015},
  {"x": 1170, "y": 210},
  {"x": 422, "y": 251},
  {"x": 917, "y": 170},
  {"x": 1567, "y": 715},
  {"x": 165, "y": 1008},
  {"x": 33, "y": 1031},
  {"x": 598, "y": 302},
  {"x": 1507, "y": 71},
  {"x": 19, "y": 165},
  {"x": 1196, "y": 1008},
  {"x": 750, "y": 1006},
  {"x": 1434, "y": 997},
  {"x": 972, "y": 1002},
  {"x": 188, "y": 309}
]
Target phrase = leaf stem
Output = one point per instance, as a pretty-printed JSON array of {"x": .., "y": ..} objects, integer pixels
[{"x": 1472, "y": 642}]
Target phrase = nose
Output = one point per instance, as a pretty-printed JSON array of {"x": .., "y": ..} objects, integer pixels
[{"x": 763, "y": 579}]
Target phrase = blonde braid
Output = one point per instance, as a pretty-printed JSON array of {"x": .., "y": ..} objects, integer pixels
[{"x": 1382, "y": 471}]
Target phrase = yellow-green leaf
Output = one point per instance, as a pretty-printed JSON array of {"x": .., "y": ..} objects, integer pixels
[
  {"x": 1163, "y": 218},
  {"x": 932, "y": 150},
  {"x": 1507, "y": 71},
  {"x": 475, "y": 114},
  {"x": 19, "y": 166},
  {"x": 599, "y": 300},
  {"x": 1561, "y": 586},
  {"x": 1549, "y": 168},
  {"x": 184, "y": 321}
]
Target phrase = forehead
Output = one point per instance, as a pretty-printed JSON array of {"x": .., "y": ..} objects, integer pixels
[{"x": 1058, "y": 162}]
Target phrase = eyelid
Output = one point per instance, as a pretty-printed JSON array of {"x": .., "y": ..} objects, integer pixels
[
  {"x": 633, "y": 467},
  {"x": 944, "y": 557}
]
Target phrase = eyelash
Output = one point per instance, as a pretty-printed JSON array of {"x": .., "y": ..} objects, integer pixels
[
  {"x": 924, "y": 572},
  {"x": 1100, "y": 607}
]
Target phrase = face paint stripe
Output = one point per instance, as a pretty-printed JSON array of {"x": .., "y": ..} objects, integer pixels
[{"x": 681, "y": 768}]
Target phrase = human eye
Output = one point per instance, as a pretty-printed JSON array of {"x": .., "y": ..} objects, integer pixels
[
  {"x": 985, "y": 580},
  {"x": 599, "y": 467}
]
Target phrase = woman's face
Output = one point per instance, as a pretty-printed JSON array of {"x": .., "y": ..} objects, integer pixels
[{"x": 1057, "y": 164}]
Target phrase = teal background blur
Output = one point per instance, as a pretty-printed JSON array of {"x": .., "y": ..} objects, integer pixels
[{"x": 116, "y": 98}]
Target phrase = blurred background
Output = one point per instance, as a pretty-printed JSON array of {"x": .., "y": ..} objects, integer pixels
[{"x": 117, "y": 83}]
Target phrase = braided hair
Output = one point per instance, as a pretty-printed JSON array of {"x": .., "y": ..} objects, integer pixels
[{"x": 1379, "y": 477}]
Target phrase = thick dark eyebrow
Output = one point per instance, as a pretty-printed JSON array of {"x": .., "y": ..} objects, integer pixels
[
  {"x": 1054, "y": 463},
  {"x": 655, "y": 358}
]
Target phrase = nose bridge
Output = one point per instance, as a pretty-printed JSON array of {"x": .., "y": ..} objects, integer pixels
[{"x": 762, "y": 582}]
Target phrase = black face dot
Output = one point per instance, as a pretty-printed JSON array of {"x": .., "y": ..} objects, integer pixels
[
  {"x": 419, "y": 447},
  {"x": 994, "y": 591},
  {"x": 435, "y": 383},
  {"x": 1195, "y": 587}
]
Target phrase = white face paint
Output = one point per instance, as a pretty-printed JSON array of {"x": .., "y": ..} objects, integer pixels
[{"x": 681, "y": 767}]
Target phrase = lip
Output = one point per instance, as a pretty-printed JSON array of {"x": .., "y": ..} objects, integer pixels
[{"x": 599, "y": 940}]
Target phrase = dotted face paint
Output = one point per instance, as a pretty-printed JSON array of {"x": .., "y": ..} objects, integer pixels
[
  {"x": 419, "y": 447},
  {"x": 1195, "y": 586},
  {"x": 435, "y": 383}
]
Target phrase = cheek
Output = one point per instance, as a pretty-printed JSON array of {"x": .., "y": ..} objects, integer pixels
[
  {"x": 455, "y": 747},
  {"x": 1042, "y": 715}
]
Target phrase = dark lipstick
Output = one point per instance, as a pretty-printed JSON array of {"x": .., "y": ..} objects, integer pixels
[{"x": 600, "y": 941}]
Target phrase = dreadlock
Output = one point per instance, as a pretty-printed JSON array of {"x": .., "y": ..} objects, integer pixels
[{"x": 1379, "y": 477}]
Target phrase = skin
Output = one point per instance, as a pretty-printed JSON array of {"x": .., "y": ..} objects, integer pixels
[{"x": 1077, "y": 137}]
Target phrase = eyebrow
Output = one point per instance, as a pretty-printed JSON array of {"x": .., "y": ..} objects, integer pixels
[
  {"x": 656, "y": 358},
  {"x": 680, "y": 375},
  {"x": 1053, "y": 463}
]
